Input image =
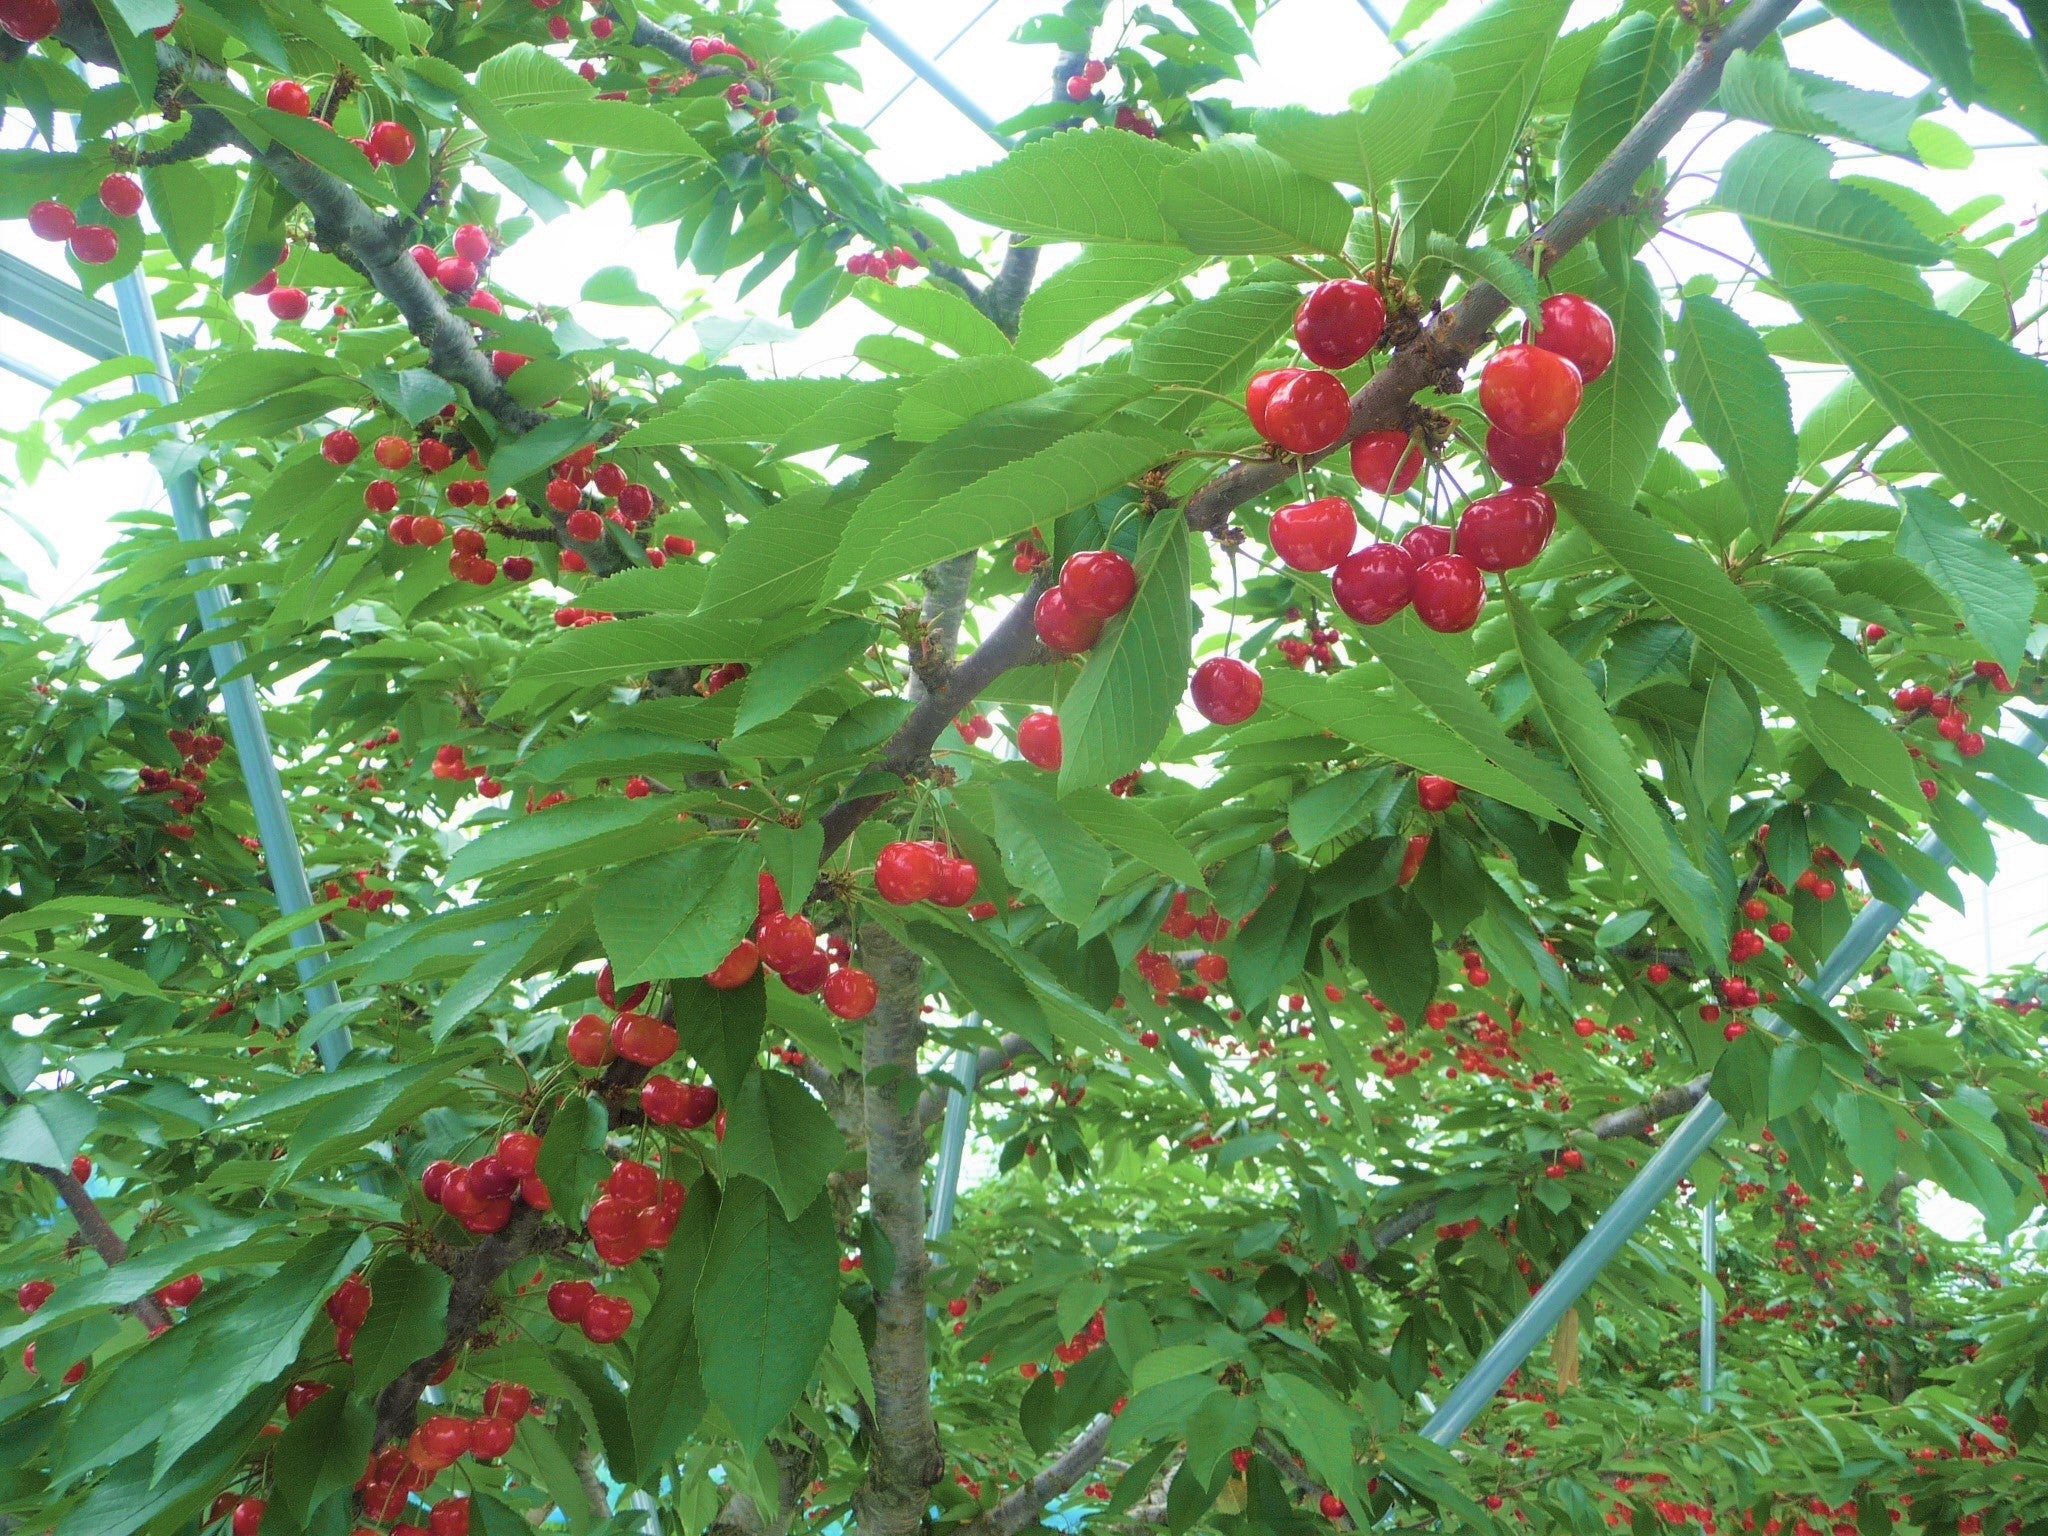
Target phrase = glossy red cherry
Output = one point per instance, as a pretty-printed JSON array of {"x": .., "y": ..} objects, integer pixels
[
  {"x": 1339, "y": 322},
  {"x": 1578, "y": 330},
  {"x": 1097, "y": 583},
  {"x": 507, "y": 1400},
  {"x": 1524, "y": 460},
  {"x": 29, "y": 21},
  {"x": 736, "y": 969},
  {"x": 607, "y": 1318},
  {"x": 51, "y": 220},
  {"x": 784, "y": 940},
  {"x": 340, "y": 446},
  {"x": 520, "y": 1152},
  {"x": 633, "y": 1182},
  {"x": 1449, "y": 591},
  {"x": 808, "y": 974},
  {"x": 450, "y": 1516},
  {"x": 94, "y": 245},
  {"x": 1374, "y": 584},
  {"x": 1258, "y": 394},
  {"x": 1529, "y": 392},
  {"x": 643, "y": 1039},
  {"x": 1314, "y": 535},
  {"x": 1225, "y": 691},
  {"x": 1508, "y": 530},
  {"x": 958, "y": 881},
  {"x": 701, "y": 1107},
  {"x": 1308, "y": 412},
  {"x": 391, "y": 143},
  {"x": 1331, "y": 1506},
  {"x": 288, "y": 303},
  {"x": 301, "y": 1393},
  {"x": 1425, "y": 541},
  {"x": 1386, "y": 462},
  {"x": 121, "y": 195},
  {"x": 590, "y": 1041},
  {"x": 1061, "y": 628},
  {"x": 1434, "y": 793},
  {"x": 247, "y": 1519},
  {"x": 288, "y": 96},
  {"x": 1038, "y": 741},
  {"x": 662, "y": 1099},
  {"x": 568, "y": 1299},
  {"x": 608, "y": 992},
  {"x": 33, "y": 1293},
  {"x": 438, "y": 1443},
  {"x": 906, "y": 873},
  {"x": 490, "y": 1179},
  {"x": 490, "y": 1438},
  {"x": 851, "y": 994}
]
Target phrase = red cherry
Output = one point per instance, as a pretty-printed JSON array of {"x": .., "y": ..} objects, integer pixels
[
  {"x": 1425, "y": 541},
  {"x": 1529, "y": 392},
  {"x": 29, "y": 21},
  {"x": 1225, "y": 691},
  {"x": 633, "y": 1182},
  {"x": 1412, "y": 857},
  {"x": 288, "y": 303},
  {"x": 1314, "y": 535},
  {"x": 1448, "y": 593},
  {"x": 300, "y": 1393},
  {"x": 1572, "y": 1158},
  {"x": 81, "y": 1167},
  {"x": 1339, "y": 322},
  {"x": 94, "y": 245},
  {"x": 439, "y": 1442},
  {"x": 51, "y": 220},
  {"x": 607, "y": 1318},
  {"x": 392, "y": 452},
  {"x": 507, "y": 1400},
  {"x": 1386, "y": 462},
  {"x": 1258, "y": 394},
  {"x": 288, "y": 96},
  {"x": 1435, "y": 794},
  {"x": 490, "y": 1437},
  {"x": 906, "y": 873},
  {"x": 1308, "y": 412},
  {"x": 340, "y": 446},
  {"x": 701, "y": 1108},
  {"x": 1524, "y": 460},
  {"x": 662, "y": 1099},
  {"x": 1038, "y": 741},
  {"x": 851, "y": 994},
  {"x": 33, "y": 1293},
  {"x": 1331, "y": 1506},
  {"x": 1061, "y": 628},
  {"x": 519, "y": 1151},
  {"x": 785, "y": 940},
  {"x": 474, "y": 245},
  {"x": 428, "y": 531},
  {"x": 450, "y": 1516},
  {"x": 569, "y": 1299},
  {"x": 1578, "y": 330},
  {"x": 1505, "y": 531},
  {"x": 767, "y": 895},
  {"x": 958, "y": 881},
  {"x": 248, "y": 1517},
  {"x": 1097, "y": 583},
  {"x": 457, "y": 274},
  {"x": 1374, "y": 584},
  {"x": 121, "y": 195},
  {"x": 736, "y": 969},
  {"x": 391, "y": 143},
  {"x": 490, "y": 1179},
  {"x": 1657, "y": 973},
  {"x": 589, "y": 1041}
]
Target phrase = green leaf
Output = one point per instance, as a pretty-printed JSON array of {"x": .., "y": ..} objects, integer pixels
[
  {"x": 720, "y": 1027},
  {"x": 622, "y": 125},
  {"x": 1861, "y": 748},
  {"x": 775, "y": 562},
  {"x": 1129, "y": 828},
  {"x": 408, "y": 1319},
  {"x": 1692, "y": 587},
  {"x": 955, "y": 394},
  {"x": 517, "y": 458},
  {"x": 413, "y": 394},
  {"x": 1073, "y": 185},
  {"x": 1795, "y": 1075},
  {"x": 523, "y": 75},
  {"x": 1046, "y": 852},
  {"x": 1235, "y": 199},
  {"x": 322, "y": 1451},
  {"x": 936, "y": 313},
  {"x": 602, "y": 653},
  {"x": 1131, "y": 684},
  {"x": 1392, "y": 942},
  {"x": 255, "y": 232},
  {"x": 1098, "y": 282},
  {"x": 1973, "y": 402},
  {"x": 47, "y": 1128},
  {"x": 777, "y": 1131},
  {"x": 764, "y": 1306},
  {"x": 740, "y": 411},
  {"x": 1739, "y": 404},
  {"x": 1781, "y": 181},
  {"x": 774, "y": 687},
  {"x": 1581, "y": 727},
  {"x": 572, "y": 1151},
  {"x": 1484, "y": 264},
  {"x": 1208, "y": 345},
  {"x": 1989, "y": 587},
  {"x": 560, "y": 839},
  {"x": 665, "y": 1395},
  {"x": 1368, "y": 149},
  {"x": 1495, "y": 62},
  {"x": 1613, "y": 439},
  {"x": 1936, "y": 32},
  {"x": 182, "y": 200},
  {"x": 1762, "y": 88},
  {"x": 679, "y": 913},
  {"x": 1637, "y": 59}
]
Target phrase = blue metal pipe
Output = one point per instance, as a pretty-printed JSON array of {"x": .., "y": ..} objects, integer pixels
[
  {"x": 1710, "y": 1344},
  {"x": 237, "y": 692},
  {"x": 925, "y": 69},
  {"x": 963, "y": 1069}
]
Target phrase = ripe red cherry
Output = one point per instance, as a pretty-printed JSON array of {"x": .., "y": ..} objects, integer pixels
[
  {"x": 288, "y": 96},
  {"x": 51, "y": 220},
  {"x": 736, "y": 969},
  {"x": 1038, "y": 741},
  {"x": 1386, "y": 462},
  {"x": 391, "y": 143},
  {"x": 1374, "y": 584},
  {"x": 1524, "y": 460},
  {"x": 288, "y": 303},
  {"x": 121, "y": 195},
  {"x": 1308, "y": 412},
  {"x": 958, "y": 880},
  {"x": 568, "y": 1299},
  {"x": 29, "y": 21},
  {"x": 662, "y": 1099},
  {"x": 906, "y": 873},
  {"x": 340, "y": 446},
  {"x": 248, "y": 1517},
  {"x": 1097, "y": 583},
  {"x": 1508, "y": 530},
  {"x": 438, "y": 1443},
  {"x": 1529, "y": 392},
  {"x": 450, "y": 1516},
  {"x": 633, "y": 1182},
  {"x": 392, "y": 452},
  {"x": 81, "y": 1167},
  {"x": 33, "y": 1293},
  {"x": 607, "y": 1318},
  {"x": 1435, "y": 794},
  {"x": 1258, "y": 394},
  {"x": 472, "y": 244},
  {"x": 491, "y": 1437},
  {"x": 1425, "y": 541},
  {"x": 1448, "y": 593},
  {"x": 428, "y": 531},
  {"x": 785, "y": 940},
  {"x": 590, "y": 1041},
  {"x": 850, "y": 993},
  {"x": 1314, "y": 535},
  {"x": 507, "y": 1400},
  {"x": 1061, "y": 628},
  {"x": 94, "y": 245},
  {"x": 1578, "y": 330},
  {"x": 519, "y": 1151},
  {"x": 1332, "y": 1507},
  {"x": 1226, "y": 691},
  {"x": 1339, "y": 322},
  {"x": 701, "y": 1106},
  {"x": 457, "y": 274}
]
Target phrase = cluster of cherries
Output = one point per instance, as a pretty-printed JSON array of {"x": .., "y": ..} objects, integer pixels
[
  {"x": 92, "y": 245},
  {"x": 197, "y": 749},
  {"x": 1081, "y": 85},
  {"x": 881, "y": 264},
  {"x": 1528, "y": 392},
  {"x": 789, "y": 944},
  {"x": 396, "y": 1473},
  {"x": 481, "y": 1195}
]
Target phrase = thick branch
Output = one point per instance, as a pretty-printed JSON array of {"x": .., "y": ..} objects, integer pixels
[
  {"x": 1022, "y": 1508},
  {"x": 905, "y": 1458},
  {"x": 106, "y": 1242}
]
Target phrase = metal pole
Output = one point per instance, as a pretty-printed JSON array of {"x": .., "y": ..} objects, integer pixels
[
  {"x": 237, "y": 693},
  {"x": 925, "y": 69},
  {"x": 1710, "y": 1212},
  {"x": 22, "y": 367},
  {"x": 1378, "y": 19},
  {"x": 964, "y": 1069},
  {"x": 1657, "y": 1178},
  {"x": 897, "y": 95}
]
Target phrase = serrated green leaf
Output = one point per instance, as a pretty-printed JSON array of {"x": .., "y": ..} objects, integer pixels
[
  {"x": 1637, "y": 59},
  {"x": 1990, "y": 588},
  {"x": 1739, "y": 403},
  {"x": 407, "y": 1322},
  {"x": 1073, "y": 185},
  {"x": 678, "y": 914},
  {"x": 1613, "y": 440},
  {"x": 1046, "y": 852},
  {"x": 1368, "y": 149},
  {"x": 764, "y": 1306},
  {"x": 1782, "y": 181},
  {"x": 777, "y": 1131},
  {"x": 1098, "y": 282},
  {"x": 1235, "y": 198}
]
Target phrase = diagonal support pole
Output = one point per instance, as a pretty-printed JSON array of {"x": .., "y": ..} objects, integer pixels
[{"x": 925, "y": 69}]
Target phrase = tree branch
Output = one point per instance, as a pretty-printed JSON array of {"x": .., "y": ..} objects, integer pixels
[
  {"x": 106, "y": 1242},
  {"x": 1023, "y": 1507}
]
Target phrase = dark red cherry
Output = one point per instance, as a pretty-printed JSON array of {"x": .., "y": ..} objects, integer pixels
[
  {"x": 1578, "y": 330},
  {"x": 1308, "y": 412},
  {"x": 1061, "y": 628},
  {"x": 1448, "y": 593},
  {"x": 1339, "y": 322},
  {"x": 1225, "y": 690},
  {"x": 1374, "y": 584},
  {"x": 1524, "y": 460},
  {"x": 1425, "y": 541},
  {"x": 1508, "y": 530},
  {"x": 1098, "y": 583},
  {"x": 1259, "y": 393},
  {"x": 1314, "y": 535},
  {"x": 1386, "y": 462},
  {"x": 1529, "y": 392}
]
